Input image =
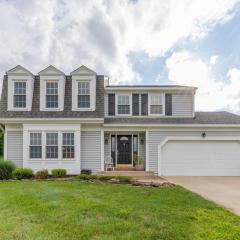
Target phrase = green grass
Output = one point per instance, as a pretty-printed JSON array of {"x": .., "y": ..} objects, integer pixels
[{"x": 78, "y": 210}]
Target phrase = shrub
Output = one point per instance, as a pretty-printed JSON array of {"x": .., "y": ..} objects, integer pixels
[
  {"x": 59, "y": 172},
  {"x": 6, "y": 169},
  {"x": 23, "y": 173},
  {"x": 105, "y": 178},
  {"x": 87, "y": 177},
  {"x": 41, "y": 174},
  {"x": 125, "y": 179},
  {"x": 86, "y": 171}
]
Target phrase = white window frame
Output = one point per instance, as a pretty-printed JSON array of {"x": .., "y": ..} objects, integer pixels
[
  {"x": 149, "y": 104},
  {"x": 46, "y": 145},
  {"x": 74, "y": 139},
  {"x": 89, "y": 82},
  {"x": 30, "y": 145},
  {"x": 92, "y": 81},
  {"x": 14, "y": 94},
  {"x": 130, "y": 103},
  {"x": 51, "y": 81}
]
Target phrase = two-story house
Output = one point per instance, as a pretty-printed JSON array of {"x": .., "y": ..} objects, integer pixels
[{"x": 79, "y": 121}]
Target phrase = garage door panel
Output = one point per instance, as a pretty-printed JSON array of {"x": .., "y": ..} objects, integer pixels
[{"x": 201, "y": 158}]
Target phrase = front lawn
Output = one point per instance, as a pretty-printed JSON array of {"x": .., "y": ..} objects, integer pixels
[{"x": 77, "y": 210}]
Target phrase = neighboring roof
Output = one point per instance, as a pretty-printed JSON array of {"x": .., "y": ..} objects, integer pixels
[
  {"x": 200, "y": 118},
  {"x": 19, "y": 70},
  {"x": 66, "y": 113},
  {"x": 51, "y": 70}
]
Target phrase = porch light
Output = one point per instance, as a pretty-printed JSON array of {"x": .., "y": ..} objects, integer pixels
[
  {"x": 142, "y": 141},
  {"x": 106, "y": 140},
  {"x": 203, "y": 134}
]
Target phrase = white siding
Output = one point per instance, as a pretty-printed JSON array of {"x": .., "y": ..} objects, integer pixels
[
  {"x": 182, "y": 105},
  {"x": 156, "y": 137},
  {"x": 91, "y": 150},
  {"x": 15, "y": 147}
]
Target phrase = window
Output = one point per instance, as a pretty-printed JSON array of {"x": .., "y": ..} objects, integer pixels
[
  {"x": 83, "y": 95},
  {"x": 156, "y": 104},
  {"x": 52, "y": 145},
  {"x": 35, "y": 145},
  {"x": 19, "y": 94},
  {"x": 68, "y": 145},
  {"x": 51, "y": 95},
  {"x": 123, "y": 104}
]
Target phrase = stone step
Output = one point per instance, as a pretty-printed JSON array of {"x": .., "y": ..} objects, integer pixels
[{"x": 137, "y": 174}]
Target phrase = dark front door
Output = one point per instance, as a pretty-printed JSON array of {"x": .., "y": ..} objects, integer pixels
[{"x": 124, "y": 149}]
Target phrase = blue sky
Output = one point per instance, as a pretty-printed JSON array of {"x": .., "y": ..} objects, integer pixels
[{"x": 133, "y": 42}]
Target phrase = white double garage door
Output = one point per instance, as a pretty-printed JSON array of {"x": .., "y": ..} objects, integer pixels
[{"x": 200, "y": 158}]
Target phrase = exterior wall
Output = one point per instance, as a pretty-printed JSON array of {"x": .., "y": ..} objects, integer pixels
[
  {"x": 91, "y": 150},
  {"x": 142, "y": 146},
  {"x": 14, "y": 145},
  {"x": 157, "y": 136},
  {"x": 182, "y": 105}
]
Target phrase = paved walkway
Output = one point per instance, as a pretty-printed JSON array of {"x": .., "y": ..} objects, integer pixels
[{"x": 221, "y": 190}]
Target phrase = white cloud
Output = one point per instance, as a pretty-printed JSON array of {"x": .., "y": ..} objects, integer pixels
[
  {"x": 213, "y": 59},
  {"x": 101, "y": 34},
  {"x": 187, "y": 69}
]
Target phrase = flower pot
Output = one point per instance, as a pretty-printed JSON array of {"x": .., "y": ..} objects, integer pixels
[{"x": 139, "y": 167}]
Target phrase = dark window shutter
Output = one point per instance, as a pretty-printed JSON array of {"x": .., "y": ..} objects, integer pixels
[
  {"x": 111, "y": 104},
  {"x": 144, "y": 104},
  {"x": 135, "y": 104},
  {"x": 168, "y": 104}
]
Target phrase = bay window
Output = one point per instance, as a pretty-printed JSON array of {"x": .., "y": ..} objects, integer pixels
[
  {"x": 156, "y": 104},
  {"x": 35, "y": 145},
  {"x": 19, "y": 95},
  {"x": 123, "y": 106},
  {"x": 52, "y": 145},
  {"x": 68, "y": 147}
]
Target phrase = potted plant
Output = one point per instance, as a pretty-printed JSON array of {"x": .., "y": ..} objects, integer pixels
[{"x": 138, "y": 163}]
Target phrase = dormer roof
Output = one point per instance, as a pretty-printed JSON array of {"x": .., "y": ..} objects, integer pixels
[
  {"x": 51, "y": 70},
  {"x": 83, "y": 70},
  {"x": 19, "y": 70}
]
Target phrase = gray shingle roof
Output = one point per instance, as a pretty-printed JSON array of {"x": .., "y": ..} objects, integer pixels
[
  {"x": 66, "y": 113},
  {"x": 148, "y": 86},
  {"x": 200, "y": 118}
]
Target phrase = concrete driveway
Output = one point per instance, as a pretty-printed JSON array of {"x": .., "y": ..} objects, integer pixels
[{"x": 221, "y": 190}]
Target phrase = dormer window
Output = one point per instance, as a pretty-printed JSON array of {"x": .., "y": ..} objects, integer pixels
[
  {"x": 51, "y": 94},
  {"x": 84, "y": 94},
  {"x": 19, "y": 95},
  {"x": 156, "y": 104}
]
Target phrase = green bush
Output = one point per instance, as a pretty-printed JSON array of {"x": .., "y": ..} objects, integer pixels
[
  {"x": 6, "y": 169},
  {"x": 41, "y": 174},
  {"x": 87, "y": 177},
  {"x": 23, "y": 173},
  {"x": 125, "y": 179},
  {"x": 59, "y": 172},
  {"x": 105, "y": 178}
]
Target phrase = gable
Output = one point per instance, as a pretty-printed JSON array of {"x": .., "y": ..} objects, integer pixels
[
  {"x": 83, "y": 70},
  {"x": 19, "y": 70},
  {"x": 51, "y": 70}
]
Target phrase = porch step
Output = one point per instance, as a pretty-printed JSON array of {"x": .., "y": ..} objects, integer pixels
[{"x": 135, "y": 174}]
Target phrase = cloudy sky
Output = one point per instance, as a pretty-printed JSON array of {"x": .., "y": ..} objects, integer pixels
[{"x": 189, "y": 42}]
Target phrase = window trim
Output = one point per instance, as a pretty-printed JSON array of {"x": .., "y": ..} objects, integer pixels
[
  {"x": 149, "y": 104},
  {"x": 46, "y": 145},
  {"x": 84, "y": 81},
  {"x": 20, "y": 94},
  {"x": 45, "y": 93},
  {"x": 130, "y": 104},
  {"x": 74, "y": 145},
  {"x": 29, "y": 146}
]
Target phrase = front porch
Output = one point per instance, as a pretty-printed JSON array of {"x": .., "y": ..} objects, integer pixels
[{"x": 125, "y": 151}]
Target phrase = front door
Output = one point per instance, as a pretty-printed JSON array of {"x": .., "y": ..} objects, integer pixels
[{"x": 124, "y": 149}]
